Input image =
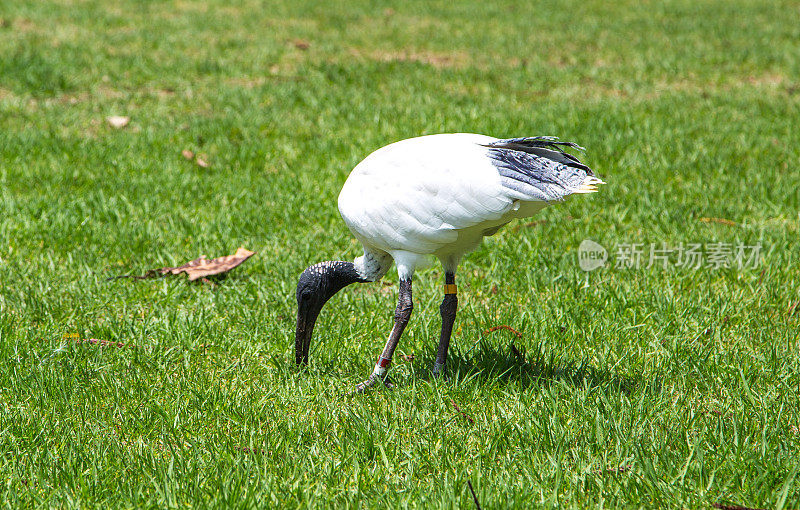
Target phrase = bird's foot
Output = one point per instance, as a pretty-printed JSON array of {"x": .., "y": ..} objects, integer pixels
[
  {"x": 373, "y": 380},
  {"x": 439, "y": 371}
]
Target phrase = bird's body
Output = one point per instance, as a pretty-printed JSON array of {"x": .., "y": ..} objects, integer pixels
[
  {"x": 439, "y": 195},
  {"x": 433, "y": 195}
]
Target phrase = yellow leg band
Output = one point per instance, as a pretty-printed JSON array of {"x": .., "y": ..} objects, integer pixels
[{"x": 450, "y": 288}]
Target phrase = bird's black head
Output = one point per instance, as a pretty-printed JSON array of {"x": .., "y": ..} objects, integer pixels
[{"x": 316, "y": 286}]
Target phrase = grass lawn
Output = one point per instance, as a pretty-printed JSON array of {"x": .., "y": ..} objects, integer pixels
[{"x": 648, "y": 387}]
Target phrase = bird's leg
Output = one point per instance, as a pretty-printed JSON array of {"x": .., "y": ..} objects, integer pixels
[
  {"x": 401, "y": 316},
  {"x": 448, "y": 312}
]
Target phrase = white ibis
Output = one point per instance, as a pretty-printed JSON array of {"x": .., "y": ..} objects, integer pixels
[{"x": 436, "y": 195}]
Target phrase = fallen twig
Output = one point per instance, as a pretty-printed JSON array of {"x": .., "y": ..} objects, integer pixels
[
  {"x": 503, "y": 326},
  {"x": 465, "y": 415},
  {"x": 531, "y": 224},
  {"x": 613, "y": 470},
  {"x": 101, "y": 343},
  {"x": 717, "y": 412},
  {"x": 152, "y": 273},
  {"x": 474, "y": 497},
  {"x": 723, "y": 506},
  {"x": 245, "y": 449}
]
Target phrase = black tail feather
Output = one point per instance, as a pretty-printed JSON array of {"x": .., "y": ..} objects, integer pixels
[{"x": 546, "y": 147}]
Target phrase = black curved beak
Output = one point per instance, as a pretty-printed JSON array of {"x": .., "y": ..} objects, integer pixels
[
  {"x": 316, "y": 286},
  {"x": 306, "y": 318}
]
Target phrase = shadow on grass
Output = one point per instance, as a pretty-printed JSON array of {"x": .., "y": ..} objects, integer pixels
[
  {"x": 487, "y": 361},
  {"x": 507, "y": 364}
]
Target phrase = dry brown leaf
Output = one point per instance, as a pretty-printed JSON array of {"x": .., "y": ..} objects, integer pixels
[
  {"x": 201, "y": 162},
  {"x": 199, "y": 268},
  {"x": 186, "y": 153},
  {"x": 721, "y": 221},
  {"x": 118, "y": 121},
  {"x": 435, "y": 59}
]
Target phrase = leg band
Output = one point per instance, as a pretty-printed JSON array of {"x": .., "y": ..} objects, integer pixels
[
  {"x": 382, "y": 366},
  {"x": 450, "y": 288}
]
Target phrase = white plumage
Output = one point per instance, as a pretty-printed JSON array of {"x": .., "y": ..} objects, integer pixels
[
  {"x": 433, "y": 195},
  {"x": 437, "y": 195}
]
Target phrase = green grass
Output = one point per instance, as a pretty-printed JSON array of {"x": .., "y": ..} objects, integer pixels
[{"x": 688, "y": 377}]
